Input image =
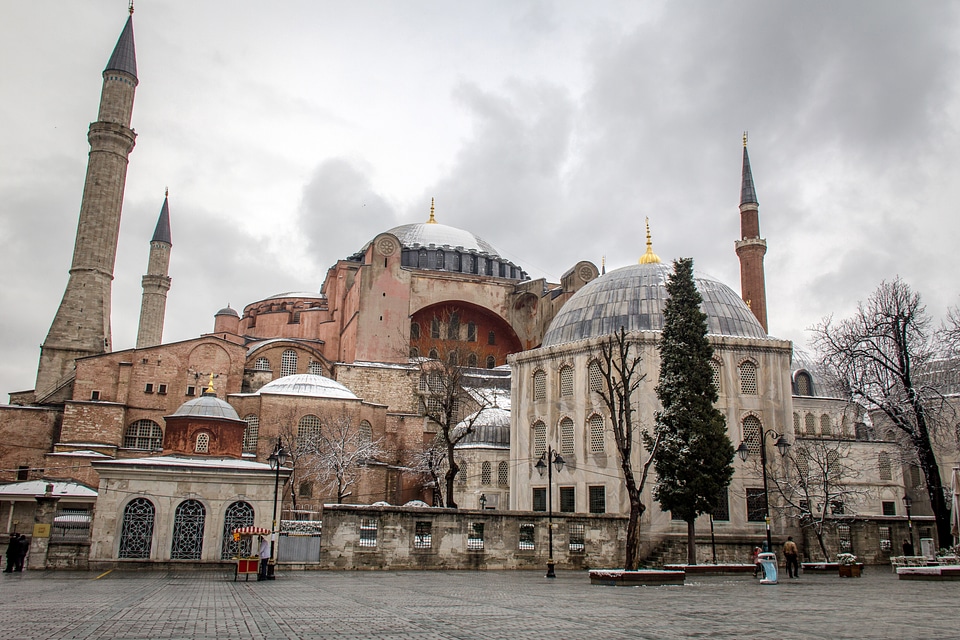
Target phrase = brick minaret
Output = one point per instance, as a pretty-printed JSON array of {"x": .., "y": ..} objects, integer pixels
[
  {"x": 82, "y": 324},
  {"x": 156, "y": 282},
  {"x": 751, "y": 247}
]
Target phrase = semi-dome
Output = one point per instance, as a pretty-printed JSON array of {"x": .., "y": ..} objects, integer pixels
[
  {"x": 634, "y": 297},
  {"x": 209, "y": 406},
  {"x": 307, "y": 384}
]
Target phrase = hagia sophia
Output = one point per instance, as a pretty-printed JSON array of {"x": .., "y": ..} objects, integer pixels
[{"x": 199, "y": 419}]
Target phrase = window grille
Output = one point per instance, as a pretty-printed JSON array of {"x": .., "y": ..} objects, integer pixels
[
  {"x": 439, "y": 259},
  {"x": 596, "y": 433},
  {"x": 136, "y": 531},
  {"x": 598, "y": 499},
  {"x": 492, "y": 337},
  {"x": 577, "y": 533},
  {"x": 883, "y": 465},
  {"x": 414, "y": 331},
  {"x": 843, "y": 533},
  {"x": 566, "y": 381},
  {"x": 423, "y": 383},
  {"x": 568, "y": 499},
  {"x": 423, "y": 535},
  {"x": 306, "y": 490},
  {"x": 308, "y": 432},
  {"x": 365, "y": 433},
  {"x": 188, "y": 522},
  {"x": 756, "y": 504},
  {"x": 888, "y": 508},
  {"x": 915, "y": 480},
  {"x": 752, "y": 433},
  {"x": 540, "y": 385},
  {"x": 471, "y": 332},
  {"x": 475, "y": 536},
  {"x": 295, "y": 317},
  {"x": 503, "y": 473},
  {"x": 527, "y": 536},
  {"x": 539, "y": 499},
  {"x": 315, "y": 368},
  {"x": 485, "y": 473},
  {"x": 748, "y": 378},
  {"x": 71, "y": 525},
  {"x": 826, "y": 428},
  {"x": 803, "y": 384},
  {"x": 251, "y": 434},
  {"x": 715, "y": 374},
  {"x": 595, "y": 376},
  {"x": 288, "y": 362},
  {"x": 811, "y": 424},
  {"x": 796, "y": 422},
  {"x": 491, "y": 362},
  {"x": 802, "y": 460},
  {"x": 143, "y": 434},
  {"x": 462, "y": 474},
  {"x": 368, "y": 532},
  {"x": 721, "y": 512},
  {"x": 833, "y": 465},
  {"x": 566, "y": 437},
  {"x": 886, "y": 544},
  {"x": 539, "y": 439},
  {"x": 261, "y": 364},
  {"x": 238, "y": 514},
  {"x": 435, "y": 328},
  {"x": 203, "y": 443}
]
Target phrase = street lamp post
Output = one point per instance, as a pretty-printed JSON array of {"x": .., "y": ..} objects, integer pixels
[
  {"x": 483, "y": 501},
  {"x": 277, "y": 459},
  {"x": 547, "y": 462},
  {"x": 908, "y": 502},
  {"x": 782, "y": 446}
]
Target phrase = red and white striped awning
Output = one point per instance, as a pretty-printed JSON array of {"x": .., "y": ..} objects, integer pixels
[{"x": 252, "y": 531}]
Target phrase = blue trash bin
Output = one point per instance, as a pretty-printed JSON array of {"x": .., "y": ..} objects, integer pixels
[{"x": 769, "y": 563}]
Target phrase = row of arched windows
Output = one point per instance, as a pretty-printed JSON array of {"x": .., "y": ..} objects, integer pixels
[
  {"x": 189, "y": 523},
  {"x": 596, "y": 442},
  {"x": 288, "y": 364},
  {"x": 809, "y": 424},
  {"x": 453, "y": 356},
  {"x": 503, "y": 473}
]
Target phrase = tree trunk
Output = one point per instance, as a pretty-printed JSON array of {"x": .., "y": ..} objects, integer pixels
[
  {"x": 691, "y": 541},
  {"x": 632, "y": 561},
  {"x": 938, "y": 502},
  {"x": 823, "y": 546},
  {"x": 451, "y": 474}
]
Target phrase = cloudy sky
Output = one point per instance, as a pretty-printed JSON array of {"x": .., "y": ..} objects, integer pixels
[{"x": 291, "y": 133}]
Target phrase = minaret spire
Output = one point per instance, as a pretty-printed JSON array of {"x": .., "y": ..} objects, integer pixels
[
  {"x": 649, "y": 257},
  {"x": 751, "y": 247},
  {"x": 81, "y": 326},
  {"x": 156, "y": 282}
]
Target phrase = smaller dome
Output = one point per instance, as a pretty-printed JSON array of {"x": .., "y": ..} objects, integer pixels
[
  {"x": 492, "y": 429},
  {"x": 227, "y": 311},
  {"x": 208, "y": 406},
  {"x": 307, "y": 384}
]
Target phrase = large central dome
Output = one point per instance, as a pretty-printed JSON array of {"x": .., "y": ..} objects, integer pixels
[
  {"x": 634, "y": 297},
  {"x": 441, "y": 236}
]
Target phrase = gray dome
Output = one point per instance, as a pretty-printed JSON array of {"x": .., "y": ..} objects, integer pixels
[
  {"x": 227, "y": 311},
  {"x": 634, "y": 297},
  {"x": 209, "y": 406},
  {"x": 424, "y": 234},
  {"x": 491, "y": 430},
  {"x": 307, "y": 384}
]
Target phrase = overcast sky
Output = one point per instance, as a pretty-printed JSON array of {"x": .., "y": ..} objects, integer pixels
[{"x": 291, "y": 133}]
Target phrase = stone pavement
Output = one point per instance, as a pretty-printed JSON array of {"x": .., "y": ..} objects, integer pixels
[{"x": 462, "y": 604}]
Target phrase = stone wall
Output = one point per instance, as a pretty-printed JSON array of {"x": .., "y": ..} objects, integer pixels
[{"x": 26, "y": 434}]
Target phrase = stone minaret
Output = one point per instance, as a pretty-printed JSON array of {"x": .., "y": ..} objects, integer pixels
[
  {"x": 82, "y": 324},
  {"x": 156, "y": 282},
  {"x": 751, "y": 247}
]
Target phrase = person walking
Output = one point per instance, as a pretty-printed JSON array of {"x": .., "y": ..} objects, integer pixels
[
  {"x": 13, "y": 549},
  {"x": 264, "y": 558},
  {"x": 791, "y": 554},
  {"x": 757, "y": 567}
]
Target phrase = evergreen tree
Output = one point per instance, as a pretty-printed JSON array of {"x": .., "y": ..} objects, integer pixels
[{"x": 694, "y": 461}]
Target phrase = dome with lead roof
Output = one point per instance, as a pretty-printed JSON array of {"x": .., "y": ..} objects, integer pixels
[
  {"x": 307, "y": 384},
  {"x": 208, "y": 406}
]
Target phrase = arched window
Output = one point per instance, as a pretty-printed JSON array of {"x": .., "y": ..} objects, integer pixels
[
  {"x": 136, "y": 531},
  {"x": 414, "y": 330},
  {"x": 491, "y": 362},
  {"x": 833, "y": 469},
  {"x": 315, "y": 368},
  {"x": 435, "y": 328},
  {"x": 453, "y": 327},
  {"x": 203, "y": 442},
  {"x": 288, "y": 363},
  {"x": 238, "y": 514},
  {"x": 752, "y": 432},
  {"x": 439, "y": 259},
  {"x": 365, "y": 433},
  {"x": 423, "y": 259},
  {"x": 810, "y": 423},
  {"x": 471, "y": 332},
  {"x": 188, "y": 522},
  {"x": 414, "y": 352},
  {"x": 539, "y": 384},
  {"x": 596, "y": 433},
  {"x": 566, "y": 381},
  {"x": 883, "y": 465},
  {"x": 539, "y": 439},
  {"x": 595, "y": 376},
  {"x": 453, "y": 358},
  {"x": 715, "y": 372},
  {"x": 251, "y": 434},
  {"x": 503, "y": 473},
  {"x": 434, "y": 355},
  {"x": 826, "y": 428},
  {"x": 796, "y": 422},
  {"x": 802, "y": 459},
  {"x": 486, "y": 473},
  {"x": 462, "y": 474},
  {"x": 804, "y": 388},
  {"x": 143, "y": 434},
  {"x": 308, "y": 432},
  {"x": 472, "y": 360},
  {"x": 748, "y": 378},
  {"x": 566, "y": 437},
  {"x": 492, "y": 338},
  {"x": 261, "y": 364}
]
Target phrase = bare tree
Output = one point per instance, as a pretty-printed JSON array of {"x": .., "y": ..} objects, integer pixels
[
  {"x": 620, "y": 370},
  {"x": 878, "y": 354},
  {"x": 819, "y": 484},
  {"x": 337, "y": 455},
  {"x": 431, "y": 460}
]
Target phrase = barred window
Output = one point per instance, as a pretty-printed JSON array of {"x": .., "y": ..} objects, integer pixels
[
  {"x": 368, "y": 532},
  {"x": 308, "y": 432},
  {"x": 596, "y": 433},
  {"x": 136, "y": 531},
  {"x": 503, "y": 473},
  {"x": 435, "y": 328},
  {"x": 188, "y": 523},
  {"x": 886, "y": 543},
  {"x": 365, "y": 433},
  {"x": 833, "y": 465},
  {"x": 238, "y": 514},
  {"x": 203, "y": 443},
  {"x": 796, "y": 422},
  {"x": 315, "y": 368},
  {"x": 288, "y": 363},
  {"x": 883, "y": 465},
  {"x": 462, "y": 474},
  {"x": 566, "y": 437},
  {"x": 566, "y": 381},
  {"x": 752, "y": 433},
  {"x": 143, "y": 434},
  {"x": 472, "y": 361},
  {"x": 598, "y": 499},
  {"x": 475, "y": 536},
  {"x": 802, "y": 460},
  {"x": 527, "y": 536},
  {"x": 539, "y": 439},
  {"x": 810, "y": 423},
  {"x": 721, "y": 511},
  {"x": 715, "y": 373},
  {"x": 888, "y": 508},
  {"x": 540, "y": 385},
  {"x": 423, "y": 382},
  {"x": 826, "y": 428},
  {"x": 261, "y": 364},
  {"x": 568, "y": 499},
  {"x": 577, "y": 532},
  {"x": 492, "y": 337},
  {"x": 756, "y": 505},
  {"x": 748, "y": 378},
  {"x": 804, "y": 388},
  {"x": 485, "y": 473},
  {"x": 414, "y": 330},
  {"x": 843, "y": 532},
  {"x": 471, "y": 332},
  {"x": 423, "y": 535},
  {"x": 251, "y": 434},
  {"x": 539, "y": 499},
  {"x": 595, "y": 376},
  {"x": 491, "y": 362},
  {"x": 439, "y": 259}
]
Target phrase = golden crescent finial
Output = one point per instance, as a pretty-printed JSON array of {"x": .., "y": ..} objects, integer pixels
[
  {"x": 432, "y": 220},
  {"x": 649, "y": 257},
  {"x": 744, "y": 138}
]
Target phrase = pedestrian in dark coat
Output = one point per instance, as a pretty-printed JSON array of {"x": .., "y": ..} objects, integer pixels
[
  {"x": 24, "y": 546},
  {"x": 13, "y": 550}
]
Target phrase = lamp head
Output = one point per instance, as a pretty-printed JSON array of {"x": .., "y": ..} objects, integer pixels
[
  {"x": 782, "y": 445},
  {"x": 541, "y": 466},
  {"x": 743, "y": 451},
  {"x": 558, "y": 462}
]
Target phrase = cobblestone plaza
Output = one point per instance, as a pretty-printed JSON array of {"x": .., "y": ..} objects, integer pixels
[{"x": 519, "y": 604}]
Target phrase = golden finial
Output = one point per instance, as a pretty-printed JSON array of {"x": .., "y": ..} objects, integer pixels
[
  {"x": 210, "y": 385},
  {"x": 744, "y": 138},
  {"x": 166, "y": 192},
  {"x": 432, "y": 220},
  {"x": 649, "y": 257},
  {"x": 131, "y": 7}
]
